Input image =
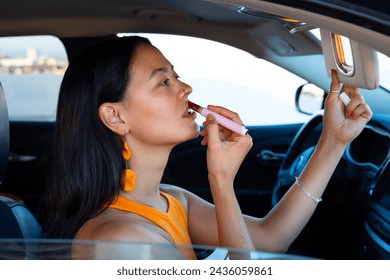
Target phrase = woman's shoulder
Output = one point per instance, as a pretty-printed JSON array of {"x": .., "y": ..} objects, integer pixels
[
  {"x": 180, "y": 194},
  {"x": 119, "y": 227},
  {"x": 115, "y": 236},
  {"x": 172, "y": 190},
  {"x": 175, "y": 190},
  {"x": 184, "y": 196}
]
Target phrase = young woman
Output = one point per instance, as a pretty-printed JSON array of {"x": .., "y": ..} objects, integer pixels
[{"x": 122, "y": 108}]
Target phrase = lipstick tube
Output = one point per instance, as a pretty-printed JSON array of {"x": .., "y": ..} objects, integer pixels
[{"x": 225, "y": 122}]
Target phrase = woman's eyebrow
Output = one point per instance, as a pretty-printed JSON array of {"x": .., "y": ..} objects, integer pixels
[{"x": 160, "y": 69}]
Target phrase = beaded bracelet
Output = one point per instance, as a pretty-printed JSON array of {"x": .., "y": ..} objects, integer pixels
[{"x": 308, "y": 194}]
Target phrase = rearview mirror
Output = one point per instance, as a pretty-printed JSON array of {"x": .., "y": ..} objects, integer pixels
[{"x": 309, "y": 99}]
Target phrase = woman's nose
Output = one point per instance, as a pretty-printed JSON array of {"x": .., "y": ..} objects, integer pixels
[{"x": 186, "y": 89}]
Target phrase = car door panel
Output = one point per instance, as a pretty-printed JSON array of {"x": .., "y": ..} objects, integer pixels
[{"x": 28, "y": 161}]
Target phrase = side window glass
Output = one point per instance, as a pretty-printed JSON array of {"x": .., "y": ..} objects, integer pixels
[
  {"x": 261, "y": 92},
  {"x": 31, "y": 71},
  {"x": 384, "y": 70}
]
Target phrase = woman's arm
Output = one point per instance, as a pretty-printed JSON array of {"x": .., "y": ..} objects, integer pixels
[
  {"x": 225, "y": 152},
  {"x": 286, "y": 220},
  {"x": 342, "y": 124}
]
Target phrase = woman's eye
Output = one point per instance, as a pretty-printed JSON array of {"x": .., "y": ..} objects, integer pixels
[{"x": 165, "y": 82}]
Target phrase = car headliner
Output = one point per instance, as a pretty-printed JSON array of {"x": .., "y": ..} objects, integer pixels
[{"x": 73, "y": 18}]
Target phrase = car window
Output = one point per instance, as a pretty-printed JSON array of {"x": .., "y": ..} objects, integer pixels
[
  {"x": 32, "y": 67},
  {"x": 384, "y": 71},
  {"x": 223, "y": 75},
  {"x": 31, "y": 70}
]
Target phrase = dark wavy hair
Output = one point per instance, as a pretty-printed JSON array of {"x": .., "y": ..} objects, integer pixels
[{"x": 87, "y": 163}]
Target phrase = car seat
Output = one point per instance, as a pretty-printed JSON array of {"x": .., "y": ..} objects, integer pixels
[{"x": 19, "y": 229}]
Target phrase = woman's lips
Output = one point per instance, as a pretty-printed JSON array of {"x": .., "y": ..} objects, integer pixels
[{"x": 189, "y": 113}]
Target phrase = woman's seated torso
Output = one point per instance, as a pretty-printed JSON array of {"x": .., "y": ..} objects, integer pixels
[{"x": 121, "y": 225}]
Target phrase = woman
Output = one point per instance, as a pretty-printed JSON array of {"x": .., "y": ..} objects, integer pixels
[{"x": 122, "y": 109}]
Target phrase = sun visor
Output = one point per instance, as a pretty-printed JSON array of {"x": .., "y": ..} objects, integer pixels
[{"x": 356, "y": 64}]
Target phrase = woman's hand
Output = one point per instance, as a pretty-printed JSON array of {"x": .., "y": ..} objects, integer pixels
[
  {"x": 225, "y": 152},
  {"x": 226, "y": 149},
  {"x": 342, "y": 122}
]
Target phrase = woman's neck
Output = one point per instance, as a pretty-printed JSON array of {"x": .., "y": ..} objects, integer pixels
[{"x": 149, "y": 163}]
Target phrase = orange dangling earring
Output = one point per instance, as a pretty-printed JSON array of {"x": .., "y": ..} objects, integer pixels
[{"x": 128, "y": 175}]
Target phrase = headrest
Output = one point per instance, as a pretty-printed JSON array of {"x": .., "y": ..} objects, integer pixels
[{"x": 4, "y": 134}]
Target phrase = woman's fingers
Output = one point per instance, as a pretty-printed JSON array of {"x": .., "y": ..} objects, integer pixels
[
  {"x": 224, "y": 133},
  {"x": 356, "y": 100},
  {"x": 357, "y": 107},
  {"x": 334, "y": 90},
  {"x": 211, "y": 132},
  {"x": 363, "y": 110},
  {"x": 225, "y": 112},
  {"x": 213, "y": 129},
  {"x": 335, "y": 84}
]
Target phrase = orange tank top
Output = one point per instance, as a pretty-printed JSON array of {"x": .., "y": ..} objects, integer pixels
[{"x": 174, "y": 221}]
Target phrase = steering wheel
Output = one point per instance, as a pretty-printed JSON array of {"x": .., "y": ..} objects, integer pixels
[{"x": 297, "y": 156}]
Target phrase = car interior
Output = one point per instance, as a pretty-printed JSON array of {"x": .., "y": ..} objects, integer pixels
[
  {"x": 16, "y": 219},
  {"x": 352, "y": 222}
]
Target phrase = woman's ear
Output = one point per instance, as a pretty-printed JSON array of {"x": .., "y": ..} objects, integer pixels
[{"x": 109, "y": 114}]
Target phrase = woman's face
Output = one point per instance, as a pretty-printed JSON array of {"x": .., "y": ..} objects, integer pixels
[{"x": 156, "y": 101}]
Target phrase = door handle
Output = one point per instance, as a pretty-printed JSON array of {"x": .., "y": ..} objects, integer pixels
[
  {"x": 269, "y": 157},
  {"x": 13, "y": 157}
]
